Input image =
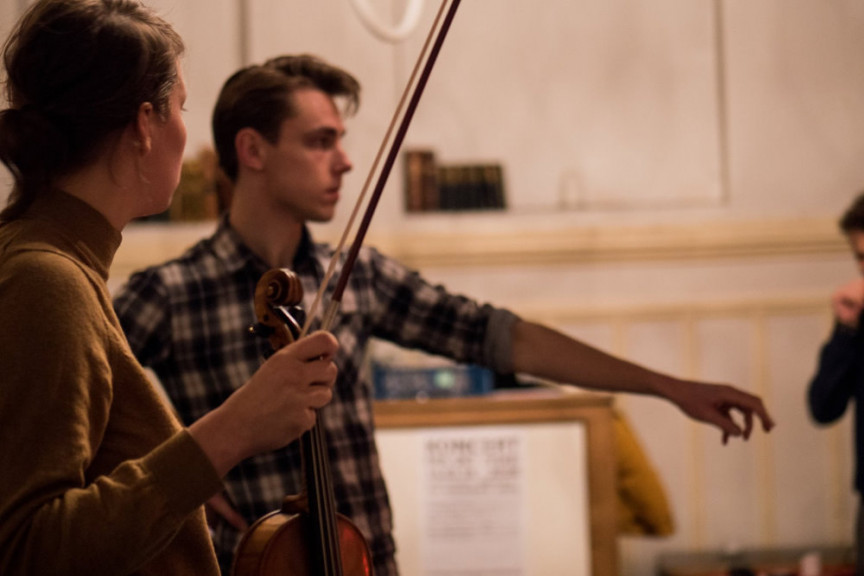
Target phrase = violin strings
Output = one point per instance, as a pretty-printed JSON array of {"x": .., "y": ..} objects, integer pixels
[
  {"x": 327, "y": 489},
  {"x": 321, "y": 508}
]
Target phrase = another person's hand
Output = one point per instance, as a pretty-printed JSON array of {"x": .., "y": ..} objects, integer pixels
[{"x": 847, "y": 303}]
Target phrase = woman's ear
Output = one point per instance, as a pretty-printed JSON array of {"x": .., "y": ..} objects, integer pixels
[
  {"x": 143, "y": 128},
  {"x": 250, "y": 149}
]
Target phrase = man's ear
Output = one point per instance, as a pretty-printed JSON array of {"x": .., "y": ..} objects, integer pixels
[
  {"x": 143, "y": 128},
  {"x": 251, "y": 152}
]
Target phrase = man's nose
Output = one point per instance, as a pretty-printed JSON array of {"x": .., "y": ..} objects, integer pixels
[{"x": 343, "y": 161}]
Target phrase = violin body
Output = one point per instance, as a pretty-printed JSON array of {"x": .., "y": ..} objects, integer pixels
[{"x": 278, "y": 544}]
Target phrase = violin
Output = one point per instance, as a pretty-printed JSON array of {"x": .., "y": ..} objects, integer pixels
[{"x": 306, "y": 536}]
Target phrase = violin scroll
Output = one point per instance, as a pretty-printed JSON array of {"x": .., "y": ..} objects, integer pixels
[{"x": 278, "y": 295}]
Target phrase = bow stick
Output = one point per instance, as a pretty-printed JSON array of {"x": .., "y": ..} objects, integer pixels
[{"x": 336, "y": 297}]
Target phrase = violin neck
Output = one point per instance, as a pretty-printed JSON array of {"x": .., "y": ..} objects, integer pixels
[{"x": 323, "y": 534}]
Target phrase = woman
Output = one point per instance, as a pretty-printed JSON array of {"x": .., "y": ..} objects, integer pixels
[{"x": 96, "y": 476}]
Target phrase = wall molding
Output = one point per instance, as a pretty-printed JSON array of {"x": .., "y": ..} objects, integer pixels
[
  {"x": 583, "y": 245},
  {"x": 146, "y": 244},
  {"x": 684, "y": 310}
]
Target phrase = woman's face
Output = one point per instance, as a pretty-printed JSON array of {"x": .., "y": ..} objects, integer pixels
[{"x": 168, "y": 144}]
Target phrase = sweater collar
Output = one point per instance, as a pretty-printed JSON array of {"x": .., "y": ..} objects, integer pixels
[{"x": 79, "y": 227}]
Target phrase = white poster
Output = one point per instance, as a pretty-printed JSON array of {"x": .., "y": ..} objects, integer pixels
[{"x": 473, "y": 501}]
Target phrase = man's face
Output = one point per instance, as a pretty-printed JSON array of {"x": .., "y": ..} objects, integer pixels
[
  {"x": 856, "y": 242},
  {"x": 304, "y": 168}
]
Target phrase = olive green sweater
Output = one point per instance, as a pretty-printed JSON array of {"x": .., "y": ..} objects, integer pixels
[{"x": 96, "y": 476}]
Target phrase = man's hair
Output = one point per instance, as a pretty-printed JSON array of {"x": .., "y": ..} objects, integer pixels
[
  {"x": 853, "y": 218},
  {"x": 259, "y": 97}
]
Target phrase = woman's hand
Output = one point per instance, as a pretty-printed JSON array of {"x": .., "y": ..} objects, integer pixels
[{"x": 275, "y": 407}]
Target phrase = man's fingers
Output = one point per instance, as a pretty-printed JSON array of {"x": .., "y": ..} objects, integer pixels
[
  {"x": 748, "y": 424},
  {"x": 751, "y": 405}
]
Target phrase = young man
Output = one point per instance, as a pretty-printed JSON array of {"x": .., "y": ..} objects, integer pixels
[
  {"x": 278, "y": 136},
  {"x": 840, "y": 375}
]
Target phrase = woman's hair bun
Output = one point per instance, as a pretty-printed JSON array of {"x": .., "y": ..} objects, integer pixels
[{"x": 31, "y": 145}]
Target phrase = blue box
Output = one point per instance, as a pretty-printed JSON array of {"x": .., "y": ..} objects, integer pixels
[{"x": 397, "y": 382}]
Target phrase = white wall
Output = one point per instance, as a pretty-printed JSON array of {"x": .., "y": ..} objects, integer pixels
[{"x": 693, "y": 110}]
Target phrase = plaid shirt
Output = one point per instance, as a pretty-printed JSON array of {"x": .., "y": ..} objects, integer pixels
[{"x": 188, "y": 321}]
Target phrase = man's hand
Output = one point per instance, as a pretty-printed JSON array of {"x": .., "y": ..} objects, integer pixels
[
  {"x": 715, "y": 404},
  {"x": 847, "y": 303}
]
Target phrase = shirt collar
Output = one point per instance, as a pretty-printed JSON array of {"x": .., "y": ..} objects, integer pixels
[{"x": 235, "y": 255}]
